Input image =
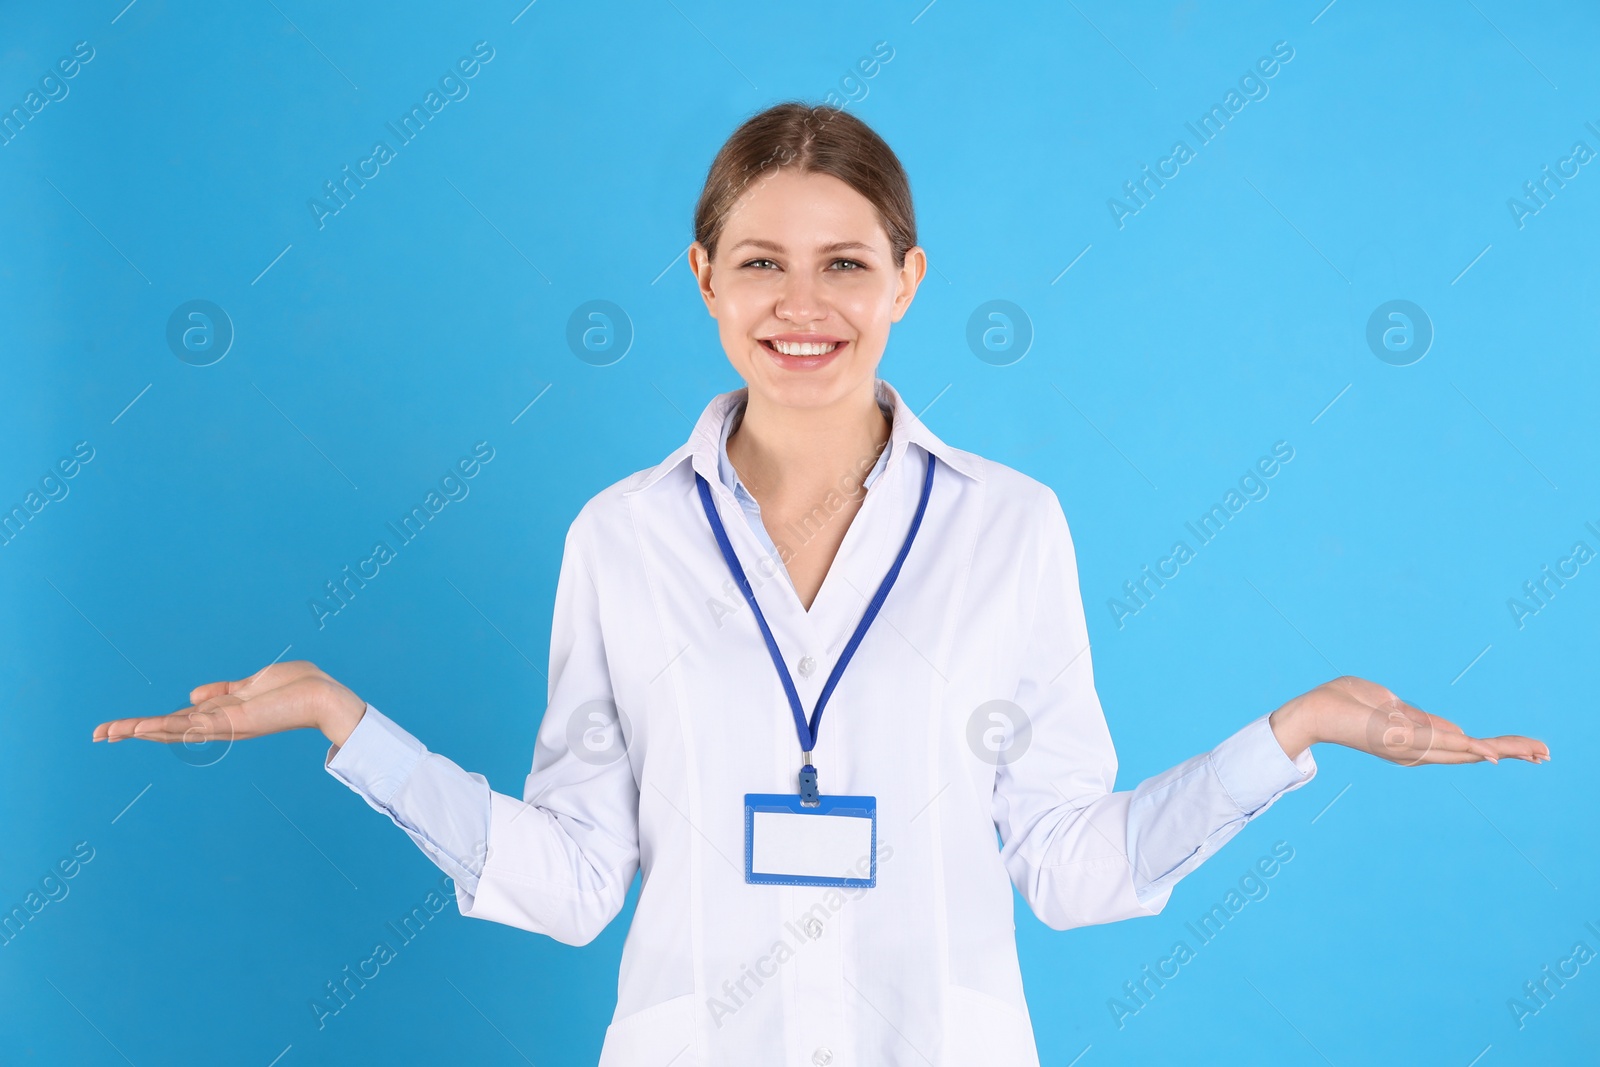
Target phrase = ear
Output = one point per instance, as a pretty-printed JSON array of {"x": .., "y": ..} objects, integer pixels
[
  {"x": 909, "y": 277},
  {"x": 700, "y": 264}
]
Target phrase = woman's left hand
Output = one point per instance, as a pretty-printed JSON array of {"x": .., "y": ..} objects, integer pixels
[{"x": 1364, "y": 715}]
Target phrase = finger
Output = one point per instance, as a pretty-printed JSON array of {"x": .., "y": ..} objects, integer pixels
[
  {"x": 192, "y": 727},
  {"x": 201, "y": 693},
  {"x": 1519, "y": 747},
  {"x": 1439, "y": 723},
  {"x": 149, "y": 728},
  {"x": 1448, "y": 756},
  {"x": 209, "y": 724},
  {"x": 116, "y": 729},
  {"x": 1455, "y": 744},
  {"x": 166, "y": 732},
  {"x": 111, "y": 731},
  {"x": 211, "y": 690},
  {"x": 1442, "y": 723},
  {"x": 1437, "y": 731},
  {"x": 1493, "y": 749},
  {"x": 146, "y": 728}
]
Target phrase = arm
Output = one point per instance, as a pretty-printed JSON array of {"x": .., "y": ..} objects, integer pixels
[
  {"x": 557, "y": 862},
  {"x": 1183, "y": 815},
  {"x": 396, "y": 774},
  {"x": 560, "y": 860},
  {"x": 1079, "y": 852}
]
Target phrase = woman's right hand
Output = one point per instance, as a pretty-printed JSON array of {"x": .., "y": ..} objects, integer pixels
[{"x": 281, "y": 696}]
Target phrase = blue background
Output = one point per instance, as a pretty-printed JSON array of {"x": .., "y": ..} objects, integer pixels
[{"x": 370, "y": 354}]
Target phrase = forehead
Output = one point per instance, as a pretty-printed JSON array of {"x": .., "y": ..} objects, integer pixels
[{"x": 801, "y": 210}]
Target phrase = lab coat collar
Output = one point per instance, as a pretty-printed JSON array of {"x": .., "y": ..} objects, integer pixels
[{"x": 704, "y": 440}]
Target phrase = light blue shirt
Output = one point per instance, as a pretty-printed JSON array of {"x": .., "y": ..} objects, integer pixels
[{"x": 747, "y": 503}]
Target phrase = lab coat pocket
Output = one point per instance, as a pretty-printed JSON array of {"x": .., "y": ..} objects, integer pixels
[
  {"x": 660, "y": 1034},
  {"x": 984, "y": 1029}
]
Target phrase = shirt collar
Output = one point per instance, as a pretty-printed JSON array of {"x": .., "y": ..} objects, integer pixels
[
  {"x": 704, "y": 445},
  {"x": 730, "y": 475}
]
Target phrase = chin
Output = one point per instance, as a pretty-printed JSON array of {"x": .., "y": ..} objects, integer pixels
[{"x": 808, "y": 389}]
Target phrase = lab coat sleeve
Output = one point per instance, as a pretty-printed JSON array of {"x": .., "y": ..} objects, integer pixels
[
  {"x": 1079, "y": 852},
  {"x": 558, "y": 861}
]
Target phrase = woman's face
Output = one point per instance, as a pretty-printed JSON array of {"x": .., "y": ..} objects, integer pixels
[{"x": 804, "y": 288}]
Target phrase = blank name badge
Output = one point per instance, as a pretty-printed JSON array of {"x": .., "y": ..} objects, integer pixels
[{"x": 787, "y": 843}]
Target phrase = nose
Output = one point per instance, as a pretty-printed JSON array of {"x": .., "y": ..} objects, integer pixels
[{"x": 800, "y": 300}]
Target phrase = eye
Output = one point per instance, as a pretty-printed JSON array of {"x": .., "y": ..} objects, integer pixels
[
  {"x": 854, "y": 264},
  {"x": 753, "y": 262}
]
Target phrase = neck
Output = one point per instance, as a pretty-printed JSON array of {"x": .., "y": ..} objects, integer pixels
[{"x": 782, "y": 451}]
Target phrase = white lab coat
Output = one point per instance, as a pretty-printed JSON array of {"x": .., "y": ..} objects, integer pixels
[{"x": 920, "y": 969}]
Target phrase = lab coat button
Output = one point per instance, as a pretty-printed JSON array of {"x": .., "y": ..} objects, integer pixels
[
  {"x": 822, "y": 1057},
  {"x": 813, "y": 928},
  {"x": 806, "y": 665}
]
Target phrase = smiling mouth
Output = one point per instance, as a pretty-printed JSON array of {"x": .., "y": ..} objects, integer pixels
[{"x": 801, "y": 348}]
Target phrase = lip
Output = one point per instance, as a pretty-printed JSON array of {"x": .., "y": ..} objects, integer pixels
[
  {"x": 803, "y": 363},
  {"x": 802, "y": 338}
]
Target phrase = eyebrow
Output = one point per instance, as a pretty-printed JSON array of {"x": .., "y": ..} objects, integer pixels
[{"x": 836, "y": 246}]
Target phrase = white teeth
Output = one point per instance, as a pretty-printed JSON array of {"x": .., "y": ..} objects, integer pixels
[{"x": 792, "y": 348}]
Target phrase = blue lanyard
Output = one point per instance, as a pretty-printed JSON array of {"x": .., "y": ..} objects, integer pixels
[{"x": 808, "y": 733}]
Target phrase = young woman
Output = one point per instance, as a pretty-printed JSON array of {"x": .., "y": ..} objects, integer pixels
[{"x": 820, "y": 896}]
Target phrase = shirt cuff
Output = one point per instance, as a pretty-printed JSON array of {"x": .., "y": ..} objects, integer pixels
[
  {"x": 377, "y": 757},
  {"x": 1255, "y": 770}
]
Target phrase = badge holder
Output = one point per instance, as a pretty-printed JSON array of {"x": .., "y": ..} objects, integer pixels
[
  {"x": 787, "y": 842},
  {"x": 806, "y": 838}
]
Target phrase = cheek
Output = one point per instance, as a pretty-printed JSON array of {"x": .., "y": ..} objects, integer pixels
[
  {"x": 869, "y": 313},
  {"x": 739, "y": 308}
]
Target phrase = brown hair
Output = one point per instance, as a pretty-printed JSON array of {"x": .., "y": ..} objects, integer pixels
[{"x": 817, "y": 140}]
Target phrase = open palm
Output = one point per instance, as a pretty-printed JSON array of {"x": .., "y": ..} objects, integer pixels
[
  {"x": 281, "y": 696},
  {"x": 1368, "y": 717}
]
